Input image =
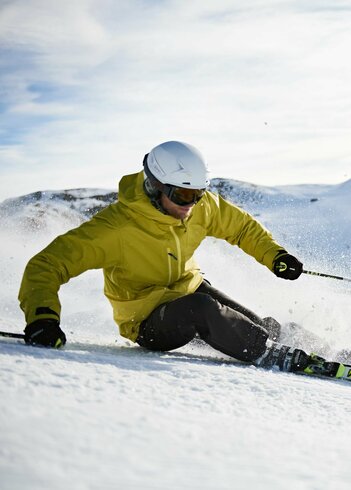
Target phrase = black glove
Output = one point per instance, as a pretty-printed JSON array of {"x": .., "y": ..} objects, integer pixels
[
  {"x": 45, "y": 332},
  {"x": 287, "y": 266}
]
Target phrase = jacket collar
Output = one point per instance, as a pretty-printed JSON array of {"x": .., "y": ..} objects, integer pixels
[{"x": 132, "y": 195}]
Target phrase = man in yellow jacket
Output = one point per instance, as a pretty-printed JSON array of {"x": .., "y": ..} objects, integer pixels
[{"x": 145, "y": 244}]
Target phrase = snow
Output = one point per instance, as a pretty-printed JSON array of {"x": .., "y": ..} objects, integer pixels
[{"x": 103, "y": 414}]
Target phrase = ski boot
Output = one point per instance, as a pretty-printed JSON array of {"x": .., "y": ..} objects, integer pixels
[{"x": 293, "y": 360}]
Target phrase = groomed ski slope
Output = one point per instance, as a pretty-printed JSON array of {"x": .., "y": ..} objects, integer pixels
[{"x": 103, "y": 414}]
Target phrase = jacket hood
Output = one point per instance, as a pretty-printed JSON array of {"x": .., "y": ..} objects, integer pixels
[{"x": 131, "y": 194}]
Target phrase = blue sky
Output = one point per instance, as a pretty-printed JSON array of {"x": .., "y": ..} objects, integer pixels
[{"x": 262, "y": 88}]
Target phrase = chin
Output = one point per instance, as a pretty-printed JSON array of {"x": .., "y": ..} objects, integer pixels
[{"x": 183, "y": 215}]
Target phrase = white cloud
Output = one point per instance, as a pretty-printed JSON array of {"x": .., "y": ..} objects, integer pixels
[{"x": 262, "y": 89}]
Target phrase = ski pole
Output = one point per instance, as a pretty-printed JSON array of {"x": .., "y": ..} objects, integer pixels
[
  {"x": 12, "y": 335},
  {"x": 321, "y": 274}
]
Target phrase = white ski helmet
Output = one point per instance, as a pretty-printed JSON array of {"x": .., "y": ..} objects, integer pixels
[{"x": 177, "y": 164}]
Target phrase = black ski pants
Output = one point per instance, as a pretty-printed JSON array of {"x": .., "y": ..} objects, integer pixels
[{"x": 224, "y": 324}]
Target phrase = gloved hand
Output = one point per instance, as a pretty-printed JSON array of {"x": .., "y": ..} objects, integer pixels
[
  {"x": 45, "y": 332},
  {"x": 287, "y": 266}
]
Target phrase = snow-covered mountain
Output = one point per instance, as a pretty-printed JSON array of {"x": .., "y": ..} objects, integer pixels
[
  {"x": 102, "y": 414},
  {"x": 309, "y": 218},
  {"x": 89, "y": 201}
]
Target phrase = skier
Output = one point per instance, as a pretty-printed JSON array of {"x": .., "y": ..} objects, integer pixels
[{"x": 145, "y": 244}]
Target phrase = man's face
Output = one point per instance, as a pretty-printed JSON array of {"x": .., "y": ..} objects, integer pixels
[{"x": 174, "y": 210}]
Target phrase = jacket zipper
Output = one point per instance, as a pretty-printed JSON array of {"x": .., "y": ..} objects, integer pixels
[
  {"x": 179, "y": 253},
  {"x": 169, "y": 259}
]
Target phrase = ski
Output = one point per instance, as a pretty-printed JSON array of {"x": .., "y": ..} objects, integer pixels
[
  {"x": 344, "y": 372},
  {"x": 322, "y": 368},
  {"x": 12, "y": 335}
]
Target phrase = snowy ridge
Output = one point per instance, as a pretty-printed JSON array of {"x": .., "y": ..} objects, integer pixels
[
  {"x": 88, "y": 201},
  {"x": 316, "y": 210},
  {"x": 103, "y": 414}
]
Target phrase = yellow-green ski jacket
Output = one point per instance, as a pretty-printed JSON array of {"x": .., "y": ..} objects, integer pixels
[{"x": 146, "y": 256}]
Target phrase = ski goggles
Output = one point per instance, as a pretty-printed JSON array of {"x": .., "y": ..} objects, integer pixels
[{"x": 182, "y": 196}]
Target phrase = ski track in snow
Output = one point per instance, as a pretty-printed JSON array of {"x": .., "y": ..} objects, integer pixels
[{"x": 104, "y": 414}]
